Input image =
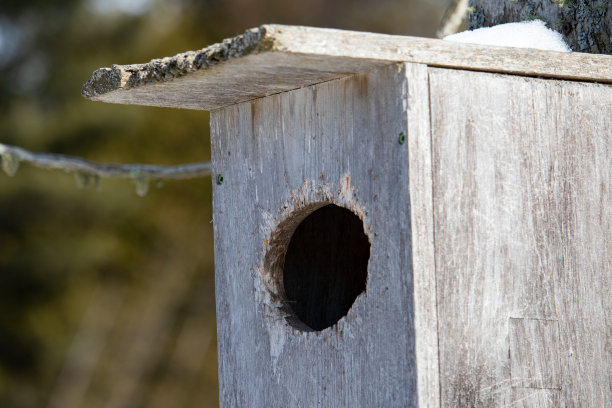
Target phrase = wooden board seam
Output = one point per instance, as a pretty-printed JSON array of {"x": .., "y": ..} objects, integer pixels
[{"x": 433, "y": 216}]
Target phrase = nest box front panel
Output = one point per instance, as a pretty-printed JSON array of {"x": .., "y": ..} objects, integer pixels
[{"x": 313, "y": 246}]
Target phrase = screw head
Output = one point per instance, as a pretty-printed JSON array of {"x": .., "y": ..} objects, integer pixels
[
  {"x": 219, "y": 179},
  {"x": 401, "y": 138}
]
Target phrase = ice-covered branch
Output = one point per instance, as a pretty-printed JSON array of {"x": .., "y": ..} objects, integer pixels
[{"x": 89, "y": 173}]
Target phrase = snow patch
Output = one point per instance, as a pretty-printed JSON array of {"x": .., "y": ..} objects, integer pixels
[{"x": 526, "y": 34}]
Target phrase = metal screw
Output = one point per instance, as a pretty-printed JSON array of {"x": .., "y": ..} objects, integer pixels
[
  {"x": 219, "y": 179},
  {"x": 402, "y": 138}
]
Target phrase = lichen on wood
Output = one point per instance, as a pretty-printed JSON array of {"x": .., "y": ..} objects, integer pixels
[
  {"x": 104, "y": 80},
  {"x": 586, "y": 25},
  {"x": 274, "y": 58}
]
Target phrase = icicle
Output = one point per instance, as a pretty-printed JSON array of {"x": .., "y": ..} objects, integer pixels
[
  {"x": 83, "y": 180},
  {"x": 87, "y": 180},
  {"x": 10, "y": 163},
  {"x": 96, "y": 182},
  {"x": 142, "y": 185},
  {"x": 142, "y": 182}
]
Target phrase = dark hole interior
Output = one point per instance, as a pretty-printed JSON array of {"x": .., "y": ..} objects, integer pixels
[{"x": 326, "y": 266}]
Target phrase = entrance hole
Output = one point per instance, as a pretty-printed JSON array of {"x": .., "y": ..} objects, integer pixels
[{"x": 326, "y": 266}]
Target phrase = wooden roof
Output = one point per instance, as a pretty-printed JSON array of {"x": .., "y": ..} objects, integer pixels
[{"x": 276, "y": 58}]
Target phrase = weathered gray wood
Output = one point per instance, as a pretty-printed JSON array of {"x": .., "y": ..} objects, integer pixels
[
  {"x": 275, "y": 58},
  {"x": 282, "y": 157},
  {"x": 522, "y": 175},
  {"x": 220, "y": 84},
  {"x": 421, "y": 206},
  {"x": 490, "y": 229},
  {"x": 534, "y": 353}
]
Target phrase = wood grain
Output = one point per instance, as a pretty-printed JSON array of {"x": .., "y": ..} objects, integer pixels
[
  {"x": 282, "y": 157},
  {"x": 534, "y": 353},
  {"x": 522, "y": 181},
  {"x": 422, "y": 242},
  {"x": 275, "y": 58}
]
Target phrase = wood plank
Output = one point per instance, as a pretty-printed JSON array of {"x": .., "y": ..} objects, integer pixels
[
  {"x": 275, "y": 58},
  {"x": 281, "y": 158},
  {"x": 534, "y": 353},
  {"x": 423, "y": 259},
  {"x": 523, "y": 229},
  {"x": 222, "y": 84}
]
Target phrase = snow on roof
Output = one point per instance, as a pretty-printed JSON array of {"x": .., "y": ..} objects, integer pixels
[{"x": 526, "y": 34}]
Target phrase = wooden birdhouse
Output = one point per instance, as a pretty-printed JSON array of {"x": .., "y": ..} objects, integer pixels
[{"x": 401, "y": 221}]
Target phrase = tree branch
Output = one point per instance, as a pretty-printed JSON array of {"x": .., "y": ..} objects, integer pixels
[
  {"x": 453, "y": 18},
  {"x": 89, "y": 173},
  {"x": 127, "y": 171}
]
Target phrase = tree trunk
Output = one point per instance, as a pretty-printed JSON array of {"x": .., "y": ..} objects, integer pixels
[{"x": 586, "y": 25}]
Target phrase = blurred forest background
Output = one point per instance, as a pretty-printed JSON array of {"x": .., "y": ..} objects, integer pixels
[{"x": 106, "y": 298}]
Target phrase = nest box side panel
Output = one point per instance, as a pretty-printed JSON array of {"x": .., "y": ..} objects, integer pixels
[
  {"x": 283, "y": 158},
  {"x": 522, "y": 174}
]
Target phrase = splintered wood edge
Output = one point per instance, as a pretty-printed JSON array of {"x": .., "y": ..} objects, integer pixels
[{"x": 304, "y": 49}]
